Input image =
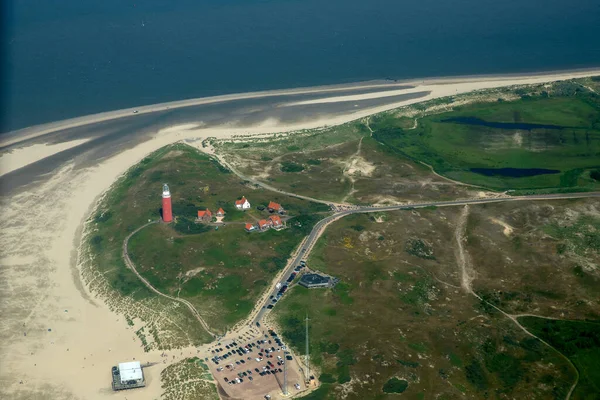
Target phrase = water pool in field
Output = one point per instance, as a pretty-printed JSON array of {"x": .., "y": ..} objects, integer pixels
[
  {"x": 514, "y": 172},
  {"x": 500, "y": 125}
]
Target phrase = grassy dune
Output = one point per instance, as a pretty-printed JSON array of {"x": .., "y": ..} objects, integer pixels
[
  {"x": 220, "y": 271},
  {"x": 555, "y": 128}
]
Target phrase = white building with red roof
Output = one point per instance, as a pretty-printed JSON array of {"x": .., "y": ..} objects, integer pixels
[{"x": 242, "y": 204}]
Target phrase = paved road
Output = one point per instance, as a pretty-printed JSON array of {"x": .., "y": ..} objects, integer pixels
[
  {"x": 312, "y": 237},
  {"x": 315, "y": 233}
]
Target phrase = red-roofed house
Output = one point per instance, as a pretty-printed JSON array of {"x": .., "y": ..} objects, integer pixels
[
  {"x": 204, "y": 216},
  {"x": 220, "y": 212},
  {"x": 242, "y": 204},
  {"x": 264, "y": 224},
  {"x": 250, "y": 227},
  {"x": 276, "y": 222},
  {"x": 275, "y": 207}
]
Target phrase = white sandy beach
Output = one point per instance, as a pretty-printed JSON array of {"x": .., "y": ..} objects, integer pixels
[{"x": 58, "y": 341}]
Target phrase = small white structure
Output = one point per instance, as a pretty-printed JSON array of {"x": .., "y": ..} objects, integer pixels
[
  {"x": 242, "y": 204},
  {"x": 131, "y": 371}
]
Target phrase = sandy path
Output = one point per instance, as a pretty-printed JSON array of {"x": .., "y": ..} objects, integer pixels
[
  {"x": 461, "y": 255},
  {"x": 131, "y": 266}
]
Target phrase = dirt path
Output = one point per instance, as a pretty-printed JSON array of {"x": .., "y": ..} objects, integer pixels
[
  {"x": 461, "y": 256},
  {"x": 223, "y": 162},
  {"x": 131, "y": 265},
  {"x": 347, "y": 167},
  {"x": 369, "y": 126}
]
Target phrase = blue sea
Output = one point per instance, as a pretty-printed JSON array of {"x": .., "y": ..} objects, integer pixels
[{"x": 66, "y": 58}]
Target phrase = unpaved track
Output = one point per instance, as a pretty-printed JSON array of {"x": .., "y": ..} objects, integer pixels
[{"x": 131, "y": 265}]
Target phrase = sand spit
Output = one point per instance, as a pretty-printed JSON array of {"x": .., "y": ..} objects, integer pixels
[
  {"x": 18, "y": 158},
  {"x": 450, "y": 87},
  {"x": 57, "y": 341},
  {"x": 439, "y": 87}
]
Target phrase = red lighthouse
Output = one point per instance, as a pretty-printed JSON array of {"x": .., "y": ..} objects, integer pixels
[{"x": 167, "y": 213}]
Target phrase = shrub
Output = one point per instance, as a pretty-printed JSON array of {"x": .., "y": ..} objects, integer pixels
[
  {"x": 189, "y": 227},
  {"x": 289, "y": 166},
  {"x": 419, "y": 248},
  {"x": 103, "y": 216},
  {"x": 97, "y": 241},
  {"x": 395, "y": 385},
  {"x": 476, "y": 375},
  {"x": 327, "y": 378}
]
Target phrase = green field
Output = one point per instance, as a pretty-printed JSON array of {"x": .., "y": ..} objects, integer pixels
[
  {"x": 398, "y": 320},
  {"x": 452, "y": 148},
  {"x": 578, "y": 340},
  {"x": 220, "y": 271}
]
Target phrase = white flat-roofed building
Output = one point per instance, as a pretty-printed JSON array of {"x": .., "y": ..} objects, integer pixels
[{"x": 131, "y": 371}]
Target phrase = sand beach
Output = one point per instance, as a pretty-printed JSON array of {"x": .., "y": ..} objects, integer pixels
[{"x": 57, "y": 340}]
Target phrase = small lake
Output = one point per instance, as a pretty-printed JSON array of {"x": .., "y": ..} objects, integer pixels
[
  {"x": 499, "y": 125},
  {"x": 514, "y": 172}
]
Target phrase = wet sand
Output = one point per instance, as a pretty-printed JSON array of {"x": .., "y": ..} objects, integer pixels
[{"x": 57, "y": 340}]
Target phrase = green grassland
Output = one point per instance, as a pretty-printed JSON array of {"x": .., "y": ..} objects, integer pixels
[
  {"x": 229, "y": 267},
  {"x": 398, "y": 320},
  {"x": 452, "y": 149},
  {"x": 578, "y": 340}
]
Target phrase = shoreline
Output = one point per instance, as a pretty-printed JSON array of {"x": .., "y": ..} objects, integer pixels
[
  {"x": 42, "y": 259},
  {"x": 14, "y": 137}
]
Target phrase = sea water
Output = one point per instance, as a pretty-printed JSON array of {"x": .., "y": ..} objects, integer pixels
[{"x": 68, "y": 58}]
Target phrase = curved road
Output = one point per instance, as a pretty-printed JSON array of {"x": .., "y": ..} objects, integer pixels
[
  {"x": 261, "y": 310},
  {"x": 319, "y": 226}
]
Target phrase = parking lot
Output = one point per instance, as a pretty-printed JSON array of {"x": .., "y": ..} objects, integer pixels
[{"x": 253, "y": 367}]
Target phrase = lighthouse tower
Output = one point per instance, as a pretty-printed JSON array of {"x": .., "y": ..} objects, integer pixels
[{"x": 167, "y": 213}]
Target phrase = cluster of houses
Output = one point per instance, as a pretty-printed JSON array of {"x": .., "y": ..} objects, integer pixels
[
  {"x": 206, "y": 216},
  {"x": 273, "y": 222}
]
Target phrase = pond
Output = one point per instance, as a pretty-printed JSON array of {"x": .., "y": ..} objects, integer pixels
[
  {"x": 514, "y": 172},
  {"x": 500, "y": 125}
]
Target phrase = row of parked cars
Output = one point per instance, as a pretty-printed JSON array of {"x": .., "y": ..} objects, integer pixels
[{"x": 265, "y": 349}]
